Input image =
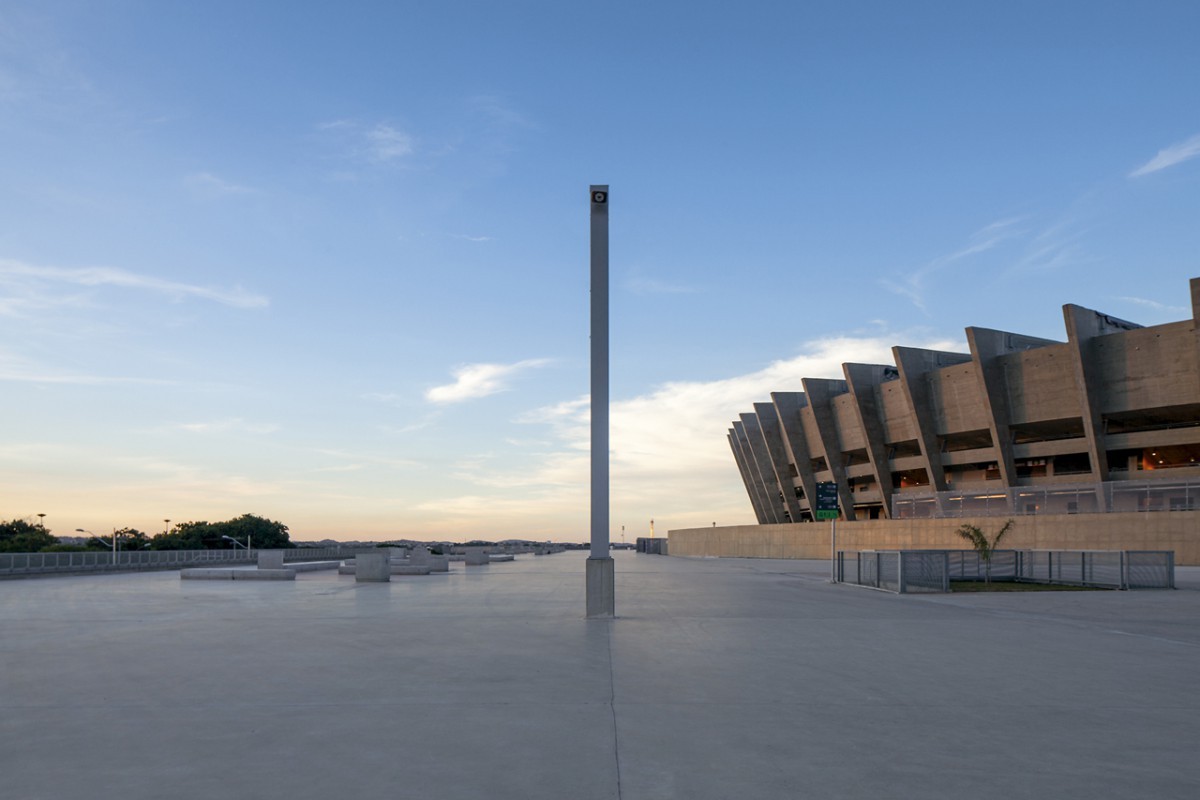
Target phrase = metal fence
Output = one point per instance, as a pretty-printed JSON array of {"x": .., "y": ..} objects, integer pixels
[
  {"x": 132, "y": 560},
  {"x": 908, "y": 571},
  {"x": 1112, "y": 569},
  {"x": 901, "y": 571},
  {"x": 1181, "y": 494},
  {"x": 966, "y": 565}
]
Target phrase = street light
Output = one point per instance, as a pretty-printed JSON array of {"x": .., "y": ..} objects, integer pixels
[
  {"x": 245, "y": 546},
  {"x": 166, "y": 525},
  {"x": 42, "y": 521},
  {"x": 101, "y": 538}
]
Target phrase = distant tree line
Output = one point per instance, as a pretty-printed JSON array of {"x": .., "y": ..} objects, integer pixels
[{"x": 23, "y": 536}]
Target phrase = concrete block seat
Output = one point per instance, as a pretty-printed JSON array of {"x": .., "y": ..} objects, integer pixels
[
  {"x": 313, "y": 566},
  {"x": 236, "y": 574},
  {"x": 495, "y": 557},
  {"x": 394, "y": 568}
]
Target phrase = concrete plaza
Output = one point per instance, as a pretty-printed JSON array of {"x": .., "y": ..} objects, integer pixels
[{"x": 719, "y": 679}]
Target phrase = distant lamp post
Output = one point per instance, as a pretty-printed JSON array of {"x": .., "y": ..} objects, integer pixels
[
  {"x": 101, "y": 538},
  {"x": 245, "y": 546},
  {"x": 42, "y": 521},
  {"x": 166, "y": 525}
]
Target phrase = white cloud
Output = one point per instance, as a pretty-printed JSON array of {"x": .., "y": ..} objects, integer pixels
[
  {"x": 12, "y": 272},
  {"x": 912, "y": 285},
  {"x": 669, "y": 456},
  {"x": 18, "y": 370},
  {"x": 641, "y": 285},
  {"x": 210, "y": 184},
  {"x": 233, "y": 425},
  {"x": 1170, "y": 156},
  {"x": 1155, "y": 305},
  {"x": 480, "y": 380},
  {"x": 385, "y": 143}
]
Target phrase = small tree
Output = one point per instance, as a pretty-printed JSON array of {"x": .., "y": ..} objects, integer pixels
[
  {"x": 23, "y": 536},
  {"x": 979, "y": 540}
]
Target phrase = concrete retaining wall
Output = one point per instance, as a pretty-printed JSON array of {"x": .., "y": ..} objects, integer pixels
[{"x": 1174, "y": 530}]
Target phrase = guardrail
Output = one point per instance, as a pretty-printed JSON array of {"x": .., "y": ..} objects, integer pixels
[
  {"x": 907, "y": 571},
  {"x": 1162, "y": 494},
  {"x": 15, "y": 564}
]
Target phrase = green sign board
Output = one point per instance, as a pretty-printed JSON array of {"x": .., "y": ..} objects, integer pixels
[{"x": 827, "y": 501}]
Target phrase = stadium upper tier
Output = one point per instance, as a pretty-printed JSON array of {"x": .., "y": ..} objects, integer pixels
[{"x": 1115, "y": 402}]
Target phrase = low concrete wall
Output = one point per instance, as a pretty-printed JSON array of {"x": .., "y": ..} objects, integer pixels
[{"x": 1169, "y": 530}]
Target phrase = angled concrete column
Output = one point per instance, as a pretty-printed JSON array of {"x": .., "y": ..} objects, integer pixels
[
  {"x": 751, "y": 490},
  {"x": 1083, "y": 326},
  {"x": 820, "y": 393},
  {"x": 768, "y": 422},
  {"x": 987, "y": 346},
  {"x": 863, "y": 381},
  {"x": 760, "y": 484},
  {"x": 1194, "y": 284},
  {"x": 789, "y": 407},
  {"x": 914, "y": 363},
  {"x": 758, "y": 450}
]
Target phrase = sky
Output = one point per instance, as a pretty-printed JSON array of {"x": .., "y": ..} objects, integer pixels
[{"x": 328, "y": 263}]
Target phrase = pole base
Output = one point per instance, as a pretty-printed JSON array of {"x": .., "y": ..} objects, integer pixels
[{"x": 601, "y": 592}]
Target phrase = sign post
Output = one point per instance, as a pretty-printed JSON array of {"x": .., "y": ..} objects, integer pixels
[{"x": 827, "y": 508}]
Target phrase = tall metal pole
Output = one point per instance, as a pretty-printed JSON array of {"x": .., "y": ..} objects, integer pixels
[{"x": 600, "y": 575}]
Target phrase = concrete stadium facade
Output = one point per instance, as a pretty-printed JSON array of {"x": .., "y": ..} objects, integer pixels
[{"x": 1106, "y": 422}]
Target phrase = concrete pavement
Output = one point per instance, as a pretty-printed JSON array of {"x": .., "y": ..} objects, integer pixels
[{"x": 718, "y": 679}]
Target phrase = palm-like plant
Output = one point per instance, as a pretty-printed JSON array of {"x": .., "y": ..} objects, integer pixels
[{"x": 979, "y": 540}]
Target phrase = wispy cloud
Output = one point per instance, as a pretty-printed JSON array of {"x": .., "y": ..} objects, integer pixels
[
  {"x": 642, "y": 285},
  {"x": 467, "y": 238},
  {"x": 387, "y": 143},
  {"x": 1170, "y": 156},
  {"x": 207, "y": 183},
  {"x": 13, "y": 271},
  {"x": 1155, "y": 305},
  {"x": 15, "y": 369},
  {"x": 379, "y": 143},
  {"x": 480, "y": 380},
  {"x": 668, "y": 445},
  {"x": 368, "y": 459},
  {"x": 232, "y": 425},
  {"x": 912, "y": 285},
  {"x": 499, "y": 112}
]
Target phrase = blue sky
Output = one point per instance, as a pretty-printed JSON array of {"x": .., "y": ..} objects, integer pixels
[{"x": 327, "y": 262}]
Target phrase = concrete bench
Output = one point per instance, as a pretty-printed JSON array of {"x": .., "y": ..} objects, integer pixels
[
  {"x": 313, "y": 566},
  {"x": 234, "y": 574}
]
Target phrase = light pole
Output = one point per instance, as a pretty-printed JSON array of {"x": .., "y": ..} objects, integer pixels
[
  {"x": 601, "y": 580},
  {"x": 166, "y": 526},
  {"x": 114, "y": 541},
  {"x": 245, "y": 546},
  {"x": 42, "y": 521}
]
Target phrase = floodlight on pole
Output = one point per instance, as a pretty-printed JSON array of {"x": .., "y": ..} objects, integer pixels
[{"x": 600, "y": 575}]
